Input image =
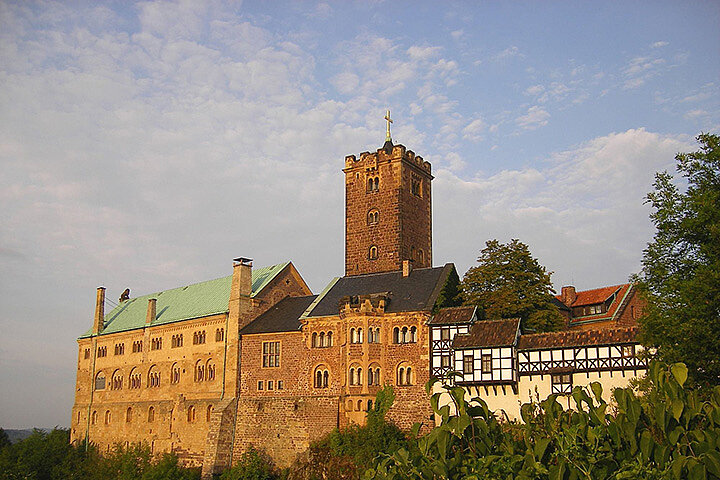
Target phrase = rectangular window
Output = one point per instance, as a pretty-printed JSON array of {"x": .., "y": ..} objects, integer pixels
[
  {"x": 445, "y": 361},
  {"x": 445, "y": 334},
  {"x": 87, "y": 353},
  {"x": 561, "y": 383},
  {"x": 468, "y": 364},
  {"x": 487, "y": 363},
  {"x": 260, "y": 385},
  {"x": 271, "y": 385},
  {"x": 281, "y": 385},
  {"x": 271, "y": 354},
  {"x": 628, "y": 351}
]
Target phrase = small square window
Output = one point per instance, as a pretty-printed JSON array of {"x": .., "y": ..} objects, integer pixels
[
  {"x": 271, "y": 385},
  {"x": 561, "y": 383},
  {"x": 260, "y": 385},
  {"x": 628, "y": 351},
  {"x": 280, "y": 385}
]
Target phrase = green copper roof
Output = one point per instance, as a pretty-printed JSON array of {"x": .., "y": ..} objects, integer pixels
[{"x": 183, "y": 303}]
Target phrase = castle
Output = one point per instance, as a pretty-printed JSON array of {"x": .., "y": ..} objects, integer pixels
[{"x": 255, "y": 358}]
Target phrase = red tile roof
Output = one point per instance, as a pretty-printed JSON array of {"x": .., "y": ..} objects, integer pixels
[
  {"x": 453, "y": 315},
  {"x": 489, "y": 333},
  {"x": 577, "y": 338},
  {"x": 595, "y": 296},
  {"x": 599, "y": 295}
]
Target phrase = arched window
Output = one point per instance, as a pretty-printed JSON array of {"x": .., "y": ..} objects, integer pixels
[
  {"x": 377, "y": 183},
  {"x": 359, "y": 335},
  {"x": 359, "y": 405},
  {"x": 210, "y": 371},
  {"x": 421, "y": 257},
  {"x": 370, "y": 185},
  {"x": 353, "y": 336},
  {"x": 396, "y": 335},
  {"x": 373, "y": 253},
  {"x": 373, "y": 217},
  {"x": 209, "y": 412},
  {"x": 191, "y": 414},
  {"x": 108, "y": 417},
  {"x": 377, "y": 376},
  {"x": 349, "y": 405},
  {"x": 371, "y": 376},
  {"x": 151, "y": 414},
  {"x": 219, "y": 334},
  {"x": 404, "y": 335},
  {"x": 404, "y": 375},
  {"x": 128, "y": 415},
  {"x": 413, "y": 334},
  {"x": 93, "y": 418},
  {"x": 100, "y": 381},
  {"x": 321, "y": 377},
  {"x": 117, "y": 380},
  {"x": 322, "y": 339},
  {"x": 377, "y": 335},
  {"x": 153, "y": 377},
  {"x": 134, "y": 379},
  {"x": 175, "y": 373},
  {"x": 199, "y": 371},
  {"x": 352, "y": 376},
  {"x": 314, "y": 339},
  {"x": 358, "y": 376},
  {"x": 328, "y": 339}
]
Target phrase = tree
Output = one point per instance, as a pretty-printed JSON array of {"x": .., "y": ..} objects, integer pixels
[
  {"x": 681, "y": 266},
  {"x": 510, "y": 283}
]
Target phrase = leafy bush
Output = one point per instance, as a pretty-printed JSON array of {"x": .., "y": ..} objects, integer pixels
[
  {"x": 50, "y": 456},
  {"x": 674, "y": 435},
  {"x": 253, "y": 465}
]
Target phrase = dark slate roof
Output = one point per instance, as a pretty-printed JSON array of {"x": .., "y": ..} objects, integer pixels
[
  {"x": 281, "y": 317},
  {"x": 416, "y": 292},
  {"x": 454, "y": 315},
  {"x": 578, "y": 338},
  {"x": 489, "y": 333}
]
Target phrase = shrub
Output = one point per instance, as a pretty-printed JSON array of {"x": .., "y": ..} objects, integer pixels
[{"x": 253, "y": 465}]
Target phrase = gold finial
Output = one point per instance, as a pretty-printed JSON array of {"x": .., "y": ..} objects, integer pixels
[{"x": 387, "y": 132}]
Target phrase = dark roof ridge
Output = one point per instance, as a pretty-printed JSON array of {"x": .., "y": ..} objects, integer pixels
[{"x": 391, "y": 271}]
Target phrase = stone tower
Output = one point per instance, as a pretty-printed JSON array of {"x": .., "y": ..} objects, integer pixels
[{"x": 388, "y": 214}]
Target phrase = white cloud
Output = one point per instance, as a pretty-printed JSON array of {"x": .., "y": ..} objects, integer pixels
[
  {"x": 534, "y": 90},
  {"x": 474, "y": 130},
  {"x": 508, "y": 53},
  {"x": 423, "y": 53},
  {"x": 535, "y": 117},
  {"x": 659, "y": 44},
  {"x": 582, "y": 214},
  {"x": 696, "y": 114},
  {"x": 457, "y": 34}
]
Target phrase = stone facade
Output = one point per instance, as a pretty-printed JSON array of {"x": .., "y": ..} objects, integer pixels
[{"x": 388, "y": 208}]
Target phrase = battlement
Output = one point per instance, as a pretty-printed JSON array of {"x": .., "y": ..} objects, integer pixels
[{"x": 382, "y": 155}]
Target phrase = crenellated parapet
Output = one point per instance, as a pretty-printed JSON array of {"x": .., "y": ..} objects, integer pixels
[{"x": 388, "y": 153}]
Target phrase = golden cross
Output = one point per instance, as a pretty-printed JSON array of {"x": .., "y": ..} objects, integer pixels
[{"x": 387, "y": 132}]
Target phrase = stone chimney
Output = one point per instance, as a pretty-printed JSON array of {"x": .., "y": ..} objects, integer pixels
[
  {"x": 241, "y": 291},
  {"x": 568, "y": 295},
  {"x": 406, "y": 267},
  {"x": 151, "y": 311},
  {"x": 99, "y": 321}
]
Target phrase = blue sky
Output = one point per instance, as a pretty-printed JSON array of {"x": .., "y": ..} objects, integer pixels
[{"x": 145, "y": 145}]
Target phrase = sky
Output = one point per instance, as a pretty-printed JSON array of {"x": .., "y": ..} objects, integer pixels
[{"x": 146, "y": 145}]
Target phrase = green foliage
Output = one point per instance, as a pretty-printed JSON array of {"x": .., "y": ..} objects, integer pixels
[
  {"x": 681, "y": 266},
  {"x": 675, "y": 435},
  {"x": 254, "y": 464},
  {"x": 50, "y": 456},
  {"x": 510, "y": 283},
  {"x": 4, "y": 439},
  {"x": 342, "y": 454},
  {"x": 449, "y": 295}
]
